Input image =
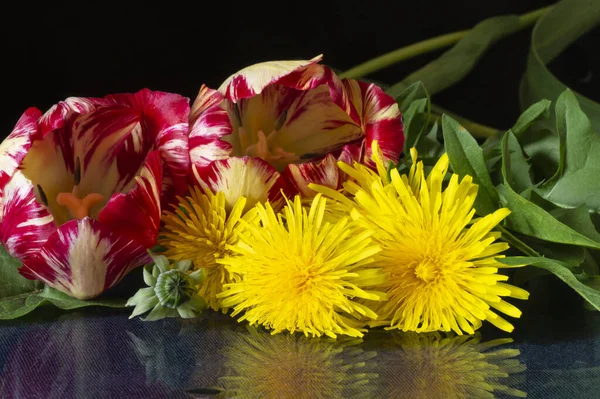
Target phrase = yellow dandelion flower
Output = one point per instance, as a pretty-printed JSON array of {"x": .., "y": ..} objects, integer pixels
[
  {"x": 441, "y": 261},
  {"x": 200, "y": 229},
  {"x": 432, "y": 365},
  {"x": 301, "y": 273}
]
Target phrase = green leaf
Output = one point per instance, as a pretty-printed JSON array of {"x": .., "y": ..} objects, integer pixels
[
  {"x": 579, "y": 220},
  {"x": 429, "y": 147},
  {"x": 578, "y": 142},
  {"x": 415, "y": 120},
  {"x": 64, "y": 301},
  {"x": 579, "y": 188},
  {"x": 531, "y": 220},
  {"x": 457, "y": 62},
  {"x": 575, "y": 181},
  {"x": 466, "y": 158},
  {"x": 515, "y": 168},
  {"x": 570, "y": 254},
  {"x": 411, "y": 93},
  {"x": 541, "y": 147},
  {"x": 12, "y": 284},
  {"x": 19, "y": 296},
  {"x": 553, "y": 33},
  {"x": 560, "y": 270},
  {"x": 590, "y": 266},
  {"x": 541, "y": 109}
]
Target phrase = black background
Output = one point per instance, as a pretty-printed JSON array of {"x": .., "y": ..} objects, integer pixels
[{"x": 55, "y": 50}]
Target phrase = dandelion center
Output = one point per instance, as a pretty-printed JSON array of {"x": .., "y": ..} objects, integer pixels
[{"x": 429, "y": 270}]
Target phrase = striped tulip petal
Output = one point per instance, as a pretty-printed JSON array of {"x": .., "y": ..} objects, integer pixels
[
  {"x": 252, "y": 178},
  {"x": 283, "y": 125},
  {"x": 378, "y": 116},
  {"x": 24, "y": 224},
  {"x": 325, "y": 172},
  {"x": 83, "y": 258},
  {"x": 114, "y": 140},
  {"x": 209, "y": 122},
  {"x": 172, "y": 143},
  {"x": 253, "y": 79},
  {"x": 136, "y": 214},
  {"x": 14, "y": 148}
]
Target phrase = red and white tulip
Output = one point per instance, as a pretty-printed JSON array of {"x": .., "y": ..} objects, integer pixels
[
  {"x": 83, "y": 185},
  {"x": 296, "y": 115}
]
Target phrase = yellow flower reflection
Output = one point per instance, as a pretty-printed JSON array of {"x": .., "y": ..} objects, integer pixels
[
  {"x": 292, "y": 366},
  {"x": 435, "y": 365}
]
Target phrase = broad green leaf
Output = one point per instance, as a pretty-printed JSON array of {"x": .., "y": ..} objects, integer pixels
[
  {"x": 579, "y": 188},
  {"x": 531, "y": 220},
  {"x": 491, "y": 149},
  {"x": 541, "y": 109},
  {"x": 19, "y": 296},
  {"x": 570, "y": 254},
  {"x": 575, "y": 181},
  {"x": 63, "y": 301},
  {"x": 12, "y": 284},
  {"x": 554, "y": 32},
  {"x": 466, "y": 158},
  {"x": 515, "y": 168},
  {"x": 532, "y": 196},
  {"x": 457, "y": 62},
  {"x": 411, "y": 93},
  {"x": 415, "y": 121},
  {"x": 429, "y": 147},
  {"x": 541, "y": 147},
  {"x": 577, "y": 141},
  {"x": 579, "y": 220},
  {"x": 560, "y": 270},
  {"x": 590, "y": 266}
]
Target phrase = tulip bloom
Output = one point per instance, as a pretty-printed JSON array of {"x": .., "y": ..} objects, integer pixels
[
  {"x": 299, "y": 117},
  {"x": 82, "y": 186}
]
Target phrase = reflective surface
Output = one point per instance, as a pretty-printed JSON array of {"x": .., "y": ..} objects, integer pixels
[{"x": 100, "y": 353}]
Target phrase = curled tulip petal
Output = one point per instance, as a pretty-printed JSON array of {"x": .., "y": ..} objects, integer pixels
[
  {"x": 253, "y": 79},
  {"x": 136, "y": 214},
  {"x": 379, "y": 116},
  {"x": 209, "y": 122},
  {"x": 84, "y": 258},
  {"x": 15, "y": 147},
  {"x": 25, "y": 224}
]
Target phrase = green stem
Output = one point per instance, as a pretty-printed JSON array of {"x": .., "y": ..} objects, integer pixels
[
  {"x": 427, "y": 46},
  {"x": 517, "y": 244},
  {"x": 476, "y": 129}
]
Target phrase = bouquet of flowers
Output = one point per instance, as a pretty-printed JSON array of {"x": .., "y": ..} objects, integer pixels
[{"x": 305, "y": 200}]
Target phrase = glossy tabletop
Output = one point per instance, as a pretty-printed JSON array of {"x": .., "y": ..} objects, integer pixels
[{"x": 100, "y": 353}]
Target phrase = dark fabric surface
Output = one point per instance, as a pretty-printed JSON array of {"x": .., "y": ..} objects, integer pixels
[{"x": 99, "y": 353}]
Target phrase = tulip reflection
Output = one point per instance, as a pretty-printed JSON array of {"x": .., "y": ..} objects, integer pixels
[
  {"x": 260, "y": 365},
  {"x": 435, "y": 365},
  {"x": 78, "y": 355}
]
